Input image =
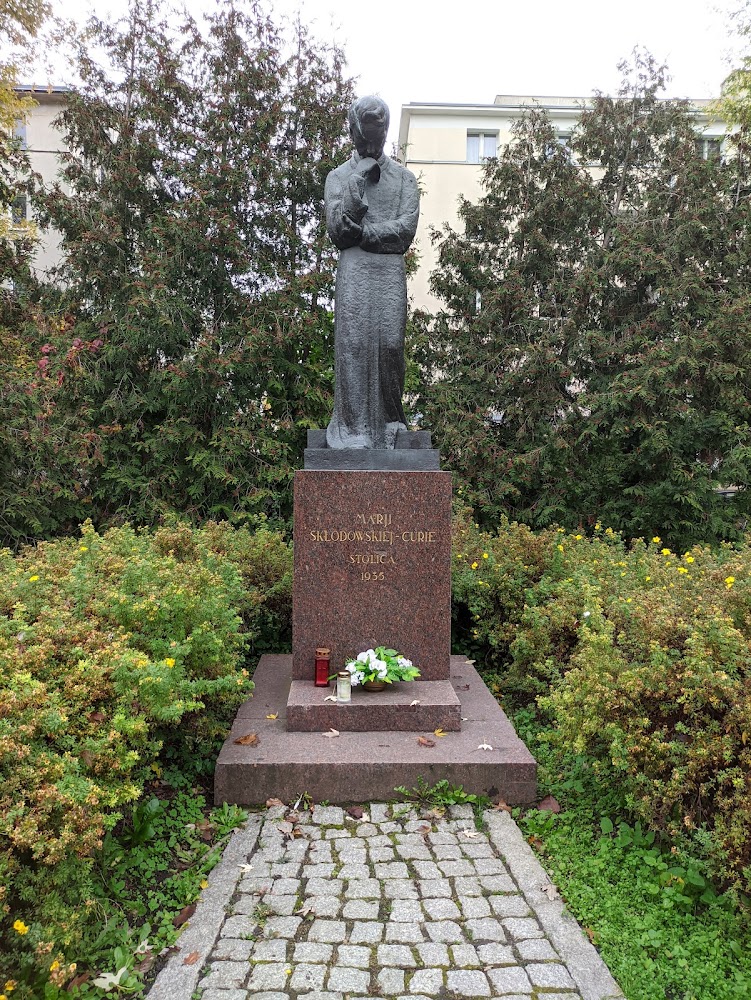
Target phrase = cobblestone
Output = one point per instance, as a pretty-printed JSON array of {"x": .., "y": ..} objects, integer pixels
[
  {"x": 349, "y": 980},
  {"x": 394, "y": 907}
]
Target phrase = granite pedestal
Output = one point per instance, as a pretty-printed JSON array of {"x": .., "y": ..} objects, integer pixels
[
  {"x": 366, "y": 766},
  {"x": 372, "y": 567}
]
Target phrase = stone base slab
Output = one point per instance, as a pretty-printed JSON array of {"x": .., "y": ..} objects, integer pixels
[
  {"x": 412, "y": 707},
  {"x": 361, "y": 767}
]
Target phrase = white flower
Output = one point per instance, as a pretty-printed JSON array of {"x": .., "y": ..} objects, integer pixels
[
  {"x": 586, "y": 614},
  {"x": 380, "y": 667},
  {"x": 364, "y": 657},
  {"x": 403, "y": 661},
  {"x": 357, "y": 678}
]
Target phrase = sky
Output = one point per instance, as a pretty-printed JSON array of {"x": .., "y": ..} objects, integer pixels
[{"x": 468, "y": 51}]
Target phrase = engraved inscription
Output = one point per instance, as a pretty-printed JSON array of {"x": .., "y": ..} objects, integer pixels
[{"x": 374, "y": 528}]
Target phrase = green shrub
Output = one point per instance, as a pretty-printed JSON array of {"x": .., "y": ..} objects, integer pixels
[
  {"x": 115, "y": 649},
  {"x": 640, "y": 658}
]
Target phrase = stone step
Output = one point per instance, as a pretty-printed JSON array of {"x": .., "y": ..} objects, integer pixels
[
  {"x": 393, "y": 709},
  {"x": 363, "y": 766}
]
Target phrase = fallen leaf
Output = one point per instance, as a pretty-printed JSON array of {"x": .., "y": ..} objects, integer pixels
[
  {"x": 356, "y": 812},
  {"x": 274, "y": 715},
  {"x": 549, "y": 804},
  {"x": 424, "y": 830},
  {"x": 146, "y": 964},
  {"x": 292, "y": 816},
  {"x": 438, "y": 732},
  {"x": 270, "y": 803},
  {"x": 78, "y": 981},
  {"x": 330, "y": 697},
  {"x": 502, "y": 806},
  {"x": 331, "y": 734},
  {"x": 249, "y": 740},
  {"x": 471, "y": 663},
  {"x": 462, "y": 687},
  {"x": 484, "y": 746},
  {"x": 306, "y": 911},
  {"x": 436, "y": 813},
  {"x": 425, "y": 741},
  {"x": 535, "y": 842},
  {"x": 471, "y": 834},
  {"x": 415, "y": 702},
  {"x": 245, "y": 868},
  {"x": 285, "y": 828},
  {"x": 96, "y": 716},
  {"x": 297, "y": 833},
  {"x": 591, "y": 935},
  {"x": 192, "y": 958},
  {"x": 185, "y": 914},
  {"x": 550, "y": 891}
]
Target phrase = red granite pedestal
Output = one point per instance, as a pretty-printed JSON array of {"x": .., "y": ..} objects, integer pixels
[
  {"x": 372, "y": 566},
  {"x": 368, "y": 766}
]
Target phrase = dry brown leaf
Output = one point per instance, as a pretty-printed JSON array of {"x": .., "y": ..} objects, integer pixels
[
  {"x": 591, "y": 935},
  {"x": 436, "y": 813},
  {"x": 273, "y": 716},
  {"x": 96, "y": 717},
  {"x": 484, "y": 746},
  {"x": 292, "y": 816},
  {"x": 471, "y": 834},
  {"x": 438, "y": 732},
  {"x": 78, "y": 981},
  {"x": 185, "y": 914},
  {"x": 274, "y": 802},
  {"x": 550, "y": 891},
  {"x": 502, "y": 806},
  {"x": 549, "y": 804},
  {"x": 415, "y": 702},
  {"x": 331, "y": 734},
  {"x": 192, "y": 958},
  {"x": 146, "y": 964},
  {"x": 425, "y": 741},
  {"x": 249, "y": 740},
  {"x": 356, "y": 812}
]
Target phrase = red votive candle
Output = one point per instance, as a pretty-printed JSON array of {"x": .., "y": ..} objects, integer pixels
[{"x": 323, "y": 662}]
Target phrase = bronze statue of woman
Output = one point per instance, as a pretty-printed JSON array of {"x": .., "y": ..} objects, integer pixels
[{"x": 372, "y": 207}]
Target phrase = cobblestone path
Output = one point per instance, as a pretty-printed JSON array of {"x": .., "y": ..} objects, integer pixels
[{"x": 387, "y": 905}]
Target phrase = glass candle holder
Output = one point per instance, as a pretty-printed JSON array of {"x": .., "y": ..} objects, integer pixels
[
  {"x": 323, "y": 666},
  {"x": 343, "y": 687}
]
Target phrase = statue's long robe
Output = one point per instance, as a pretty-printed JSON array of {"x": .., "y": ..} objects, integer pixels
[{"x": 370, "y": 308}]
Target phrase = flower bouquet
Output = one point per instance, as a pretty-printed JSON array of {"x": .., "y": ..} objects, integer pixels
[{"x": 375, "y": 668}]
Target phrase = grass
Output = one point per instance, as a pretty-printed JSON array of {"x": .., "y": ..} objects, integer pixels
[{"x": 663, "y": 930}]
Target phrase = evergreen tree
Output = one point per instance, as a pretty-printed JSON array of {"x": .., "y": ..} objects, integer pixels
[
  {"x": 191, "y": 209},
  {"x": 594, "y": 359}
]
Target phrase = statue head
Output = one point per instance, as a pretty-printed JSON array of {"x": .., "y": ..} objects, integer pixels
[{"x": 368, "y": 125}]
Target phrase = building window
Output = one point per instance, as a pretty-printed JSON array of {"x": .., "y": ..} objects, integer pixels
[
  {"x": 18, "y": 210},
  {"x": 19, "y": 133},
  {"x": 481, "y": 146},
  {"x": 709, "y": 148}
]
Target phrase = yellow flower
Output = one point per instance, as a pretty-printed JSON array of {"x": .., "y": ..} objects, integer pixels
[
  {"x": 20, "y": 927},
  {"x": 689, "y": 559},
  {"x": 578, "y": 537},
  {"x": 475, "y": 565},
  {"x": 647, "y": 579},
  {"x": 656, "y": 540},
  {"x": 55, "y": 965},
  {"x": 484, "y": 555},
  {"x": 10, "y": 985},
  {"x": 729, "y": 581},
  {"x": 205, "y": 883},
  {"x": 33, "y": 579},
  {"x": 609, "y": 532},
  {"x": 665, "y": 552},
  {"x": 682, "y": 569},
  {"x": 169, "y": 661},
  {"x": 560, "y": 548},
  {"x": 83, "y": 548},
  {"x": 598, "y": 526}
]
